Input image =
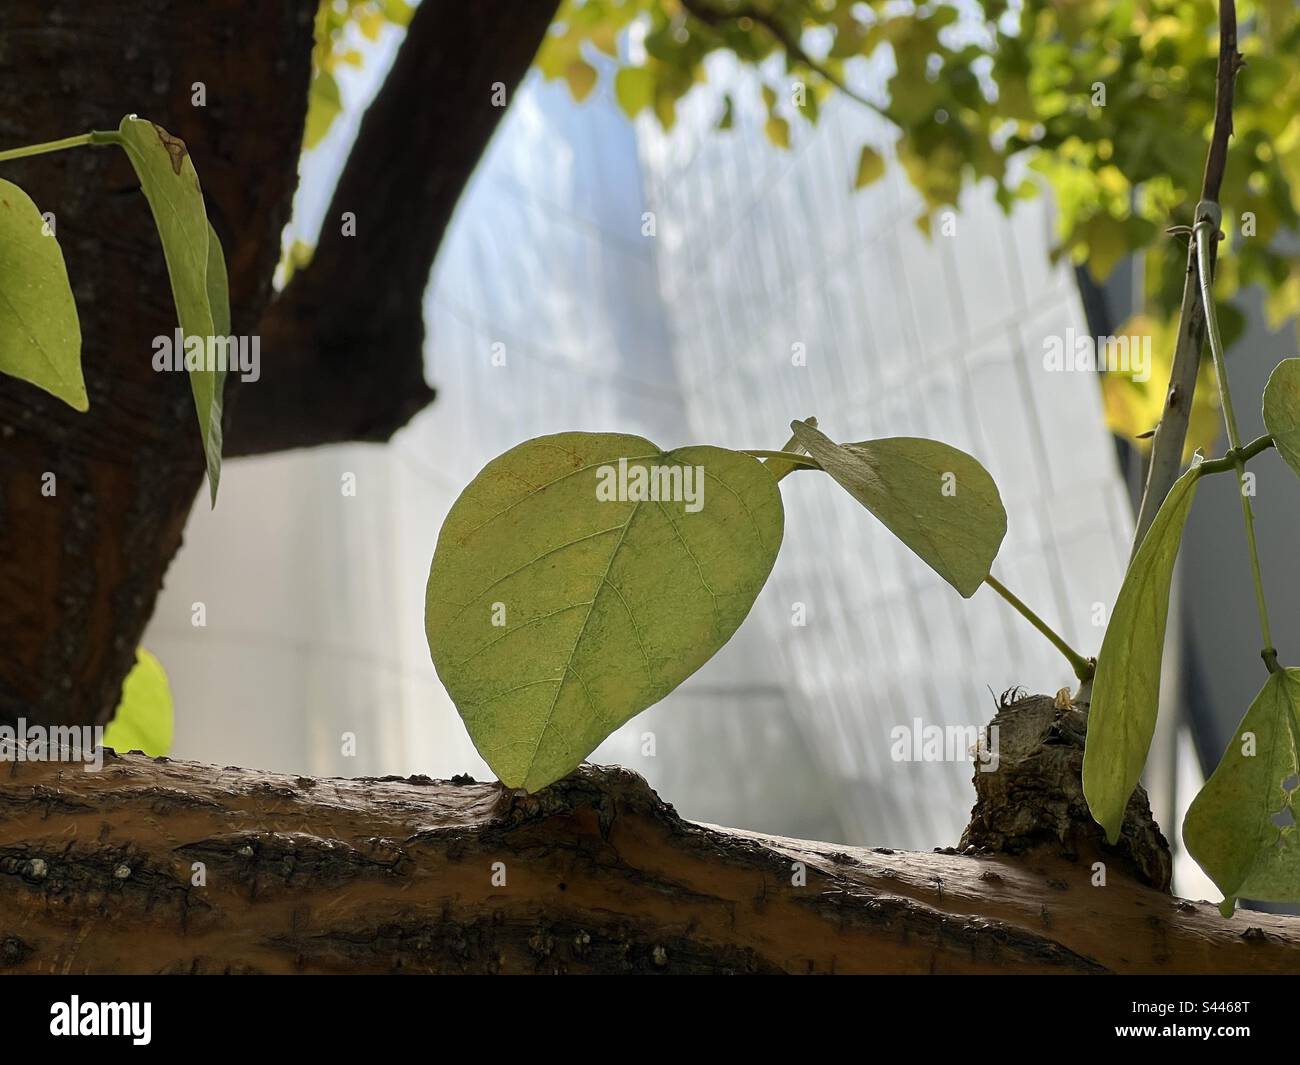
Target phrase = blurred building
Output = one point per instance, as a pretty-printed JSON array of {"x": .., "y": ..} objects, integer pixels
[{"x": 315, "y": 599}]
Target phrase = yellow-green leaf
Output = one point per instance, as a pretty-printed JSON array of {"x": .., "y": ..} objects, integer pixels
[
  {"x": 143, "y": 720},
  {"x": 1242, "y": 827},
  {"x": 1126, "y": 687},
  {"x": 939, "y": 501},
  {"x": 1282, "y": 410},
  {"x": 871, "y": 167},
  {"x": 558, "y": 607},
  {"x": 728, "y": 118},
  {"x": 634, "y": 88},
  {"x": 171, "y": 186},
  {"x": 324, "y": 105},
  {"x": 778, "y": 131},
  {"x": 40, "y": 336},
  {"x": 581, "y": 77}
]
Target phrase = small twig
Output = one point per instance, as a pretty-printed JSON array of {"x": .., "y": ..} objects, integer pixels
[
  {"x": 712, "y": 16},
  {"x": 1171, "y": 433}
]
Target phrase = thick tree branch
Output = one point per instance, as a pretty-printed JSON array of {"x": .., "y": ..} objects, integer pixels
[
  {"x": 1171, "y": 434},
  {"x": 343, "y": 347},
  {"x": 157, "y": 866}
]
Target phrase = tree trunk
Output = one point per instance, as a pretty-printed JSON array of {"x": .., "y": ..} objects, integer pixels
[
  {"x": 158, "y": 866},
  {"x": 80, "y": 570},
  {"x": 342, "y": 351}
]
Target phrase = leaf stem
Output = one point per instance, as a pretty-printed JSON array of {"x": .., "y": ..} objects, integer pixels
[
  {"x": 1242, "y": 454},
  {"x": 1205, "y": 232},
  {"x": 1083, "y": 667},
  {"x": 791, "y": 457},
  {"x": 804, "y": 462},
  {"x": 97, "y": 136}
]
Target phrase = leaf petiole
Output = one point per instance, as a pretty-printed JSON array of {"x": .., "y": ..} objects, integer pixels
[
  {"x": 805, "y": 462},
  {"x": 1208, "y": 217},
  {"x": 97, "y": 136},
  {"x": 1083, "y": 667}
]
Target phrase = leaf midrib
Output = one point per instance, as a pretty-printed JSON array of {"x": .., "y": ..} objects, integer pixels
[{"x": 586, "y": 619}]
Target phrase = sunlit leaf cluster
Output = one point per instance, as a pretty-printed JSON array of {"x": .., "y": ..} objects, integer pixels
[{"x": 340, "y": 26}]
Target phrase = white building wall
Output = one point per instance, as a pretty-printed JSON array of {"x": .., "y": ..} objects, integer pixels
[{"x": 315, "y": 600}]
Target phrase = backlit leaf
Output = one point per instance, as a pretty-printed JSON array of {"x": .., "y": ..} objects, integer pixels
[
  {"x": 939, "y": 501},
  {"x": 1282, "y": 410},
  {"x": 143, "y": 720},
  {"x": 555, "y": 615},
  {"x": 1241, "y": 828},
  {"x": 40, "y": 336},
  {"x": 1126, "y": 687}
]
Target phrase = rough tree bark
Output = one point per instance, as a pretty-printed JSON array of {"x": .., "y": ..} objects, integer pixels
[
  {"x": 600, "y": 876},
  {"x": 342, "y": 354},
  {"x": 80, "y": 571}
]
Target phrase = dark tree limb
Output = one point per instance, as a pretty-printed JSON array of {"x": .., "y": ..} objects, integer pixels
[
  {"x": 595, "y": 874},
  {"x": 343, "y": 347},
  {"x": 80, "y": 570},
  {"x": 1171, "y": 433}
]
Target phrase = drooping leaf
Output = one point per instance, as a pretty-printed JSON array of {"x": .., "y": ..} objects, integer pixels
[
  {"x": 1126, "y": 686},
  {"x": 1242, "y": 827},
  {"x": 1282, "y": 410},
  {"x": 939, "y": 501},
  {"x": 40, "y": 336},
  {"x": 144, "y": 718},
  {"x": 555, "y": 613},
  {"x": 170, "y": 184}
]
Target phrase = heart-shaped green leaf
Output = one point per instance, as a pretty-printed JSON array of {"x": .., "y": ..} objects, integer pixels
[
  {"x": 1282, "y": 410},
  {"x": 143, "y": 721},
  {"x": 40, "y": 337},
  {"x": 1126, "y": 687},
  {"x": 170, "y": 184},
  {"x": 1242, "y": 827},
  {"x": 939, "y": 501},
  {"x": 580, "y": 578}
]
